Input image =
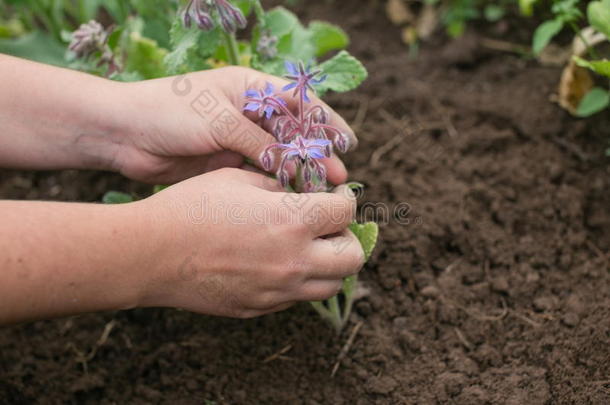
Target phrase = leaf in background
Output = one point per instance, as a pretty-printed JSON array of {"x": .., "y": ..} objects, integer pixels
[
  {"x": 545, "y": 33},
  {"x": 344, "y": 72},
  {"x": 367, "y": 234},
  {"x": 527, "y": 7},
  {"x": 11, "y": 29},
  {"x": 594, "y": 101},
  {"x": 601, "y": 67},
  {"x": 280, "y": 21},
  {"x": 190, "y": 47},
  {"x": 327, "y": 37},
  {"x": 35, "y": 46},
  {"x": 244, "y": 5},
  {"x": 598, "y": 13},
  {"x": 145, "y": 57},
  {"x": 115, "y": 197}
]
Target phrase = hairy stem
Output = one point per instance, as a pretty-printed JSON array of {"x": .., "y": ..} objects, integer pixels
[
  {"x": 232, "y": 49},
  {"x": 330, "y": 317}
]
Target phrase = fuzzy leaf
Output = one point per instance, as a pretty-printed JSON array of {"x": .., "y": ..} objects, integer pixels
[
  {"x": 115, "y": 197},
  {"x": 598, "y": 13},
  {"x": 280, "y": 21},
  {"x": 190, "y": 47},
  {"x": 327, "y": 37},
  {"x": 594, "y": 101},
  {"x": 344, "y": 72},
  {"x": 527, "y": 7},
  {"x": 545, "y": 33},
  {"x": 145, "y": 57},
  {"x": 601, "y": 67},
  {"x": 367, "y": 234},
  {"x": 35, "y": 46}
]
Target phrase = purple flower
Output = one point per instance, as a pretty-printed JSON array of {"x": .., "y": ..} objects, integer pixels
[
  {"x": 231, "y": 17},
  {"x": 303, "y": 79},
  {"x": 306, "y": 149},
  {"x": 88, "y": 38},
  {"x": 267, "y": 45},
  {"x": 306, "y": 152},
  {"x": 264, "y": 101},
  {"x": 198, "y": 10}
]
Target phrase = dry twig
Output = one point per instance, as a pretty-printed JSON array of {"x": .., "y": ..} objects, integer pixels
[{"x": 345, "y": 350}]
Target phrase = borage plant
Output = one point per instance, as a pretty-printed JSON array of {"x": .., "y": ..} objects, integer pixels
[{"x": 303, "y": 139}]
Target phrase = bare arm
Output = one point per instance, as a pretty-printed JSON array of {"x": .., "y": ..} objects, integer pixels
[
  {"x": 59, "y": 259},
  {"x": 53, "y": 118}
]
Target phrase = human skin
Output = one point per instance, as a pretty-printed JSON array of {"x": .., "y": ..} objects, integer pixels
[{"x": 200, "y": 244}]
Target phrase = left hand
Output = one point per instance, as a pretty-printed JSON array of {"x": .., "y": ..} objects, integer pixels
[{"x": 180, "y": 127}]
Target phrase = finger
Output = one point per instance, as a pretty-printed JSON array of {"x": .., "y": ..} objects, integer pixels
[
  {"x": 319, "y": 290},
  {"x": 242, "y": 136},
  {"x": 326, "y": 213},
  {"x": 337, "y": 257},
  {"x": 173, "y": 170},
  {"x": 254, "y": 179}
]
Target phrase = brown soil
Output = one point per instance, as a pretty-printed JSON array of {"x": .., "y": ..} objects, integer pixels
[{"x": 495, "y": 291}]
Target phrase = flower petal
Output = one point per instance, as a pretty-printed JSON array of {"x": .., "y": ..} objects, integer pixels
[
  {"x": 291, "y": 68},
  {"x": 289, "y": 86},
  {"x": 252, "y": 94},
  {"x": 316, "y": 153},
  {"x": 252, "y": 107},
  {"x": 269, "y": 89}
]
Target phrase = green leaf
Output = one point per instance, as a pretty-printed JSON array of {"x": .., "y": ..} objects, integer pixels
[
  {"x": 115, "y": 197},
  {"x": 527, "y": 7},
  {"x": 594, "y": 101},
  {"x": 159, "y": 188},
  {"x": 344, "y": 72},
  {"x": 190, "y": 47},
  {"x": 494, "y": 12},
  {"x": 280, "y": 21},
  {"x": 601, "y": 67},
  {"x": 35, "y": 46},
  {"x": 367, "y": 234},
  {"x": 545, "y": 33},
  {"x": 145, "y": 57},
  {"x": 327, "y": 37},
  {"x": 598, "y": 13}
]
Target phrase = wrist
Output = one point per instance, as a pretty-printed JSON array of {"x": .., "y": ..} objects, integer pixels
[{"x": 105, "y": 126}]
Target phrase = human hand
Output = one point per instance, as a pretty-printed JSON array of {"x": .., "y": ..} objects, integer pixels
[
  {"x": 179, "y": 127},
  {"x": 231, "y": 243}
]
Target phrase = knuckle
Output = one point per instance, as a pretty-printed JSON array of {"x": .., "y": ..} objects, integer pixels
[{"x": 266, "y": 300}]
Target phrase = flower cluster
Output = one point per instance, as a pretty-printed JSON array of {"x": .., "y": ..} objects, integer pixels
[
  {"x": 267, "y": 45},
  {"x": 303, "y": 137},
  {"x": 90, "y": 38},
  {"x": 200, "y": 11}
]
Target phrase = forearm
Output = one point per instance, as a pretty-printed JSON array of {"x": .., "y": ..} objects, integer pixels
[
  {"x": 62, "y": 259},
  {"x": 52, "y": 118}
]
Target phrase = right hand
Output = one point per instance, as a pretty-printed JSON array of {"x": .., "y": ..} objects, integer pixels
[{"x": 232, "y": 243}]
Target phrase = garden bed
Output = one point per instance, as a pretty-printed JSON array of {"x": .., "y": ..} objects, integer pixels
[{"x": 496, "y": 290}]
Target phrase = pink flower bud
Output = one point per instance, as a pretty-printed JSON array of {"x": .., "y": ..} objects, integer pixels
[{"x": 267, "y": 159}]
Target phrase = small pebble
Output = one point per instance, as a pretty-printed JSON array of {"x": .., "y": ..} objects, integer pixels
[
  {"x": 430, "y": 291},
  {"x": 543, "y": 304},
  {"x": 500, "y": 284},
  {"x": 571, "y": 319}
]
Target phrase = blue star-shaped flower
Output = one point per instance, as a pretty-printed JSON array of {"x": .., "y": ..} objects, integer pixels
[
  {"x": 306, "y": 149},
  {"x": 303, "y": 79},
  {"x": 264, "y": 101}
]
